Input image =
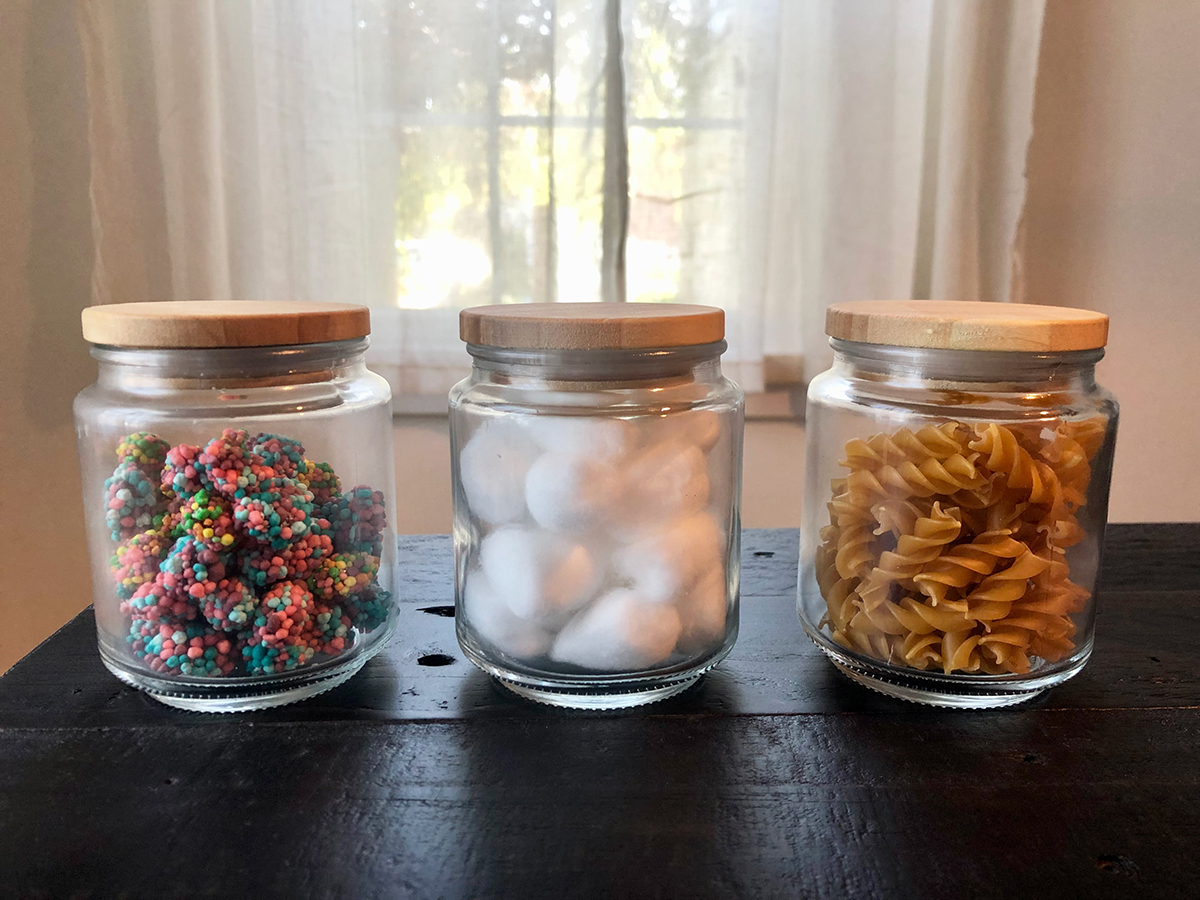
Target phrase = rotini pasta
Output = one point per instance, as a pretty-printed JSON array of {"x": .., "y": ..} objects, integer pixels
[{"x": 945, "y": 548}]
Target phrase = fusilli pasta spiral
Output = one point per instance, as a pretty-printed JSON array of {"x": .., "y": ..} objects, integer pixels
[{"x": 945, "y": 548}]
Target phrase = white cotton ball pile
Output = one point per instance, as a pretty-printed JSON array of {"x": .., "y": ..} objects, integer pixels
[
  {"x": 598, "y": 549},
  {"x": 493, "y": 467},
  {"x": 663, "y": 565},
  {"x": 569, "y": 493},
  {"x": 620, "y": 632},
  {"x": 492, "y": 619},
  {"x": 581, "y": 436},
  {"x": 539, "y": 576},
  {"x": 663, "y": 481}
]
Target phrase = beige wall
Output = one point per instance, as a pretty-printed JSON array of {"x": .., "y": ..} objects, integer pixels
[
  {"x": 1113, "y": 222},
  {"x": 45, "y": 272}
]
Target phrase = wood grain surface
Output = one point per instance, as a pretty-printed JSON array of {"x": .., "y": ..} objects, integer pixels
[
  {"x": 775, "y": 777},
  {"x": 223, "y": 323},
  {"x": 591, "y": 326},
  {"x": 953, "y": 325}
]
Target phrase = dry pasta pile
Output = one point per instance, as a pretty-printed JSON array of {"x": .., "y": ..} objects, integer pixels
[{"x": 946, "y": 546}]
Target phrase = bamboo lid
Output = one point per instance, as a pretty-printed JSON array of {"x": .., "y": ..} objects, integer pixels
[
  {"x": 953, "y": 325},
  {"x": 591, "y": 326},
  {"x": 224, "y": 323}
]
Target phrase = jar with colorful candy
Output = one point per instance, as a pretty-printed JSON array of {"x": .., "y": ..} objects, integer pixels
[
  {"x": 597, "y": 474},
  {"x": 238, "y": 482}
]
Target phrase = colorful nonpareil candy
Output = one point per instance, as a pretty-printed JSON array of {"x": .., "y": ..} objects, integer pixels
[
  {"x": 194, "y": 649},
  {"x": 357, "y": 519},
  {"x": 209, "y": 519},
  {"x": 180, "y": 477},
  {"x": 144, "y": 449},
  {"x": 131, "y": 500},
  {"x": 277, "y": 514},
  {"x": 137, "y": 560},
  {"x": 241, "y": 556},
  {"x": 322, "y": 481},
  {"x": 284, "y": 455}
]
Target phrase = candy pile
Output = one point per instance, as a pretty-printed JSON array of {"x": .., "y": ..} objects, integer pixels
[
  {"x": 600, "y": 545},
  {"x": 241, "y": 557}
]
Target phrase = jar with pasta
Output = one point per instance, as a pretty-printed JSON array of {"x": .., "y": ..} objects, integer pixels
[{"x": 958, "y": 467}]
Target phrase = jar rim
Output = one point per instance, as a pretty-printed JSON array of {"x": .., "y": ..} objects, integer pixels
[
  {"x": 902, "y": 353},
  {"x": 229, "y": 364},
  {"x": 594, "y": 364},
  {"x": 153, "y": 355}
]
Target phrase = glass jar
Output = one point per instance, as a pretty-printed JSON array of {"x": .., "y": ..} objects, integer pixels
[
  {"x": 237, "y": 480},
  {"x": 958, "y": 467},
  {"x": 597, "y": 479}
]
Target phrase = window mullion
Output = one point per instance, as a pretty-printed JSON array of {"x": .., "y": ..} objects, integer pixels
[
  {"x": 495, "y": 237},
  {"x": 551, "y": 199},
  {"x": 615, "y": 218}
]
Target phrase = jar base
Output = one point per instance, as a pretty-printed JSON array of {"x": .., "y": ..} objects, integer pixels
[
  {"x": 581, "y": 689},
  {"x": 244, "y": 695},
  {"x": 951, "y": 692},
  {"x": 596, "y": 701},
  {"x": 602, "y": 693}
]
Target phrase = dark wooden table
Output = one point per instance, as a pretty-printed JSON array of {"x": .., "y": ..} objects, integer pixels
[{"x": 775, "y": 777}]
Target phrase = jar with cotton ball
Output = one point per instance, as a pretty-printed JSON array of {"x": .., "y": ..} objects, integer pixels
[
  {"x": 958, "y": 466},
  {"x": 597, "y": 478}
]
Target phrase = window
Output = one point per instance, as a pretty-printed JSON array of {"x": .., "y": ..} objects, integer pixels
[
  {"x": 506, "y": 145},
  {"x": 764, "y": 156}
]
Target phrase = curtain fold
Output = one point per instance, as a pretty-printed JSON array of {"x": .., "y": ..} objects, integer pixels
[
  {"x": 423, "y": 156},
  {"x": 898, "y": 165}
]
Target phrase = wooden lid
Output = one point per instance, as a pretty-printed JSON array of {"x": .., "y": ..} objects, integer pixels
[
  {"x": 224, "y": 323},
  {"x": 591, "y": 326},
  {"x": 953, "y": 325}
]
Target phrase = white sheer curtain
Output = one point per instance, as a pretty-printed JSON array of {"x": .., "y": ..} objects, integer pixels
[
  {"x": 898, "y": 166},
  {"x": 423, "y": 156}
]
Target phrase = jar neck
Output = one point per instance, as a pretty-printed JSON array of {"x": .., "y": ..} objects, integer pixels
[
  {"x": 979, "y": 370},
  {"x": 135, "y": 369},
  {"x": 699, "y": 362}
]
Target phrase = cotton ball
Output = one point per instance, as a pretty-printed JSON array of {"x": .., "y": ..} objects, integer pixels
[
  {"x": 620, "y": 632},
  {"x": 492, "y": 468},
  {"x": 701, "y": 427},
  {"x": 582, "y": 436},
  {"x": 540, "y": 576},
  {"x": 661, "y": 566},
  {"x": 666, "y": 480},
  {"x": 568, "y": 493},
  {"x": 489, "y": 616},
  {"x": 703, "y": 610}
]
